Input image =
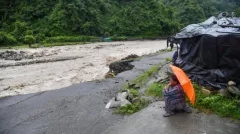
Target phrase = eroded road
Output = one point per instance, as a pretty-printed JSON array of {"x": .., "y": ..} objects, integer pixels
[
  {"x": 79, "y": 63},
  {"x": 80, "y": 109},
  {"x": 75, "y": 109}
]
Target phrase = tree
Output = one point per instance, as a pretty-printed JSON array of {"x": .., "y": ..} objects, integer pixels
[
  {"x": 238, "y": 12},
  {"x": 29, "y": 39}
]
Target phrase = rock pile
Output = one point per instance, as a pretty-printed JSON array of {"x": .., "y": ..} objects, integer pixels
[{"x": 231, "y": 89}]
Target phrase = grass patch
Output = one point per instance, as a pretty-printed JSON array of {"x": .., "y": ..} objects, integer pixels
[
  {"x": 134, "y": 92},
  {"x": 220, "y": 105},
  {"x": 132, "y": 108},
  {"x": 142, "y": 79},
  {"x": 168, "y": 59},
  {"x": 155, "y": 90},
  {"x": 71, "y": 39}
]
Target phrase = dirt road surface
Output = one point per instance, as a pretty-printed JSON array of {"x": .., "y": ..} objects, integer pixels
[{"x": 83, "y": 63}]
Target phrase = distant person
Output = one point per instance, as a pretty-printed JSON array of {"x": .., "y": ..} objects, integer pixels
[
  {"x": 170, "y": 42},
  {"x": 174, "y": 98},
  {"x": 174, "y": 58}
]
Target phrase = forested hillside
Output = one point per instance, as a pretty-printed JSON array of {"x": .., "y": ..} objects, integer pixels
[{"x": 29, "y": 21}]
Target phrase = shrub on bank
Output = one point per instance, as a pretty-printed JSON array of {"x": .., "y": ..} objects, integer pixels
[
  {"x": 71, "y": 39},
  {"x": 119, "y": 38},
  {"x": 7, "y": 39}
]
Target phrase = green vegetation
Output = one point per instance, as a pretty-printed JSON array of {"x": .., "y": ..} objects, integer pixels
[
  {"x": 223, "y": 106},
  {"x": 168, "y": 59},
  {"x": 134, "y": 92},
  {"x": 132, "y": 108},
  {"x": 29, "y": 39},
  {"x": 143, "y": 78},
  {"x": 193, "y": 11},
  {"x": 155, "y": 90},
  {"x": 137, "y": 105},
  {"x": 81, "y": 20}
]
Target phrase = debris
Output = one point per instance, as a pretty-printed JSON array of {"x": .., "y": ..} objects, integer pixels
[
  {"x": 109, "y": 75},
  {"x": 121, "y": 66},
  {"x": 132, "y": 56}
]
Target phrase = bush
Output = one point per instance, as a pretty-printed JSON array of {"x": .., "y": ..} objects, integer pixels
[
  {"x": 121, "y": 38},
  {"x": 40, "y": 37},
  {"x": 238, "y": 12},
  {"x": 7, "y": 39},
  {"x": 223, "y": 106},
  {"x": 70, "y": 39},
  {"x": 134, "y": 92},
  {"x": 29, "y": 39},
  {"x": 155, "y": 89}
]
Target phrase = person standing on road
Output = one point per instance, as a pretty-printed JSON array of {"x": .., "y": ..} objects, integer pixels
[{"x": 174, "y": 98}]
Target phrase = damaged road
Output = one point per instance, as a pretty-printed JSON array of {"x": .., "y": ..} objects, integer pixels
[
  {"x": 79, "y": 108},
  {"x": 28, "y": 71}
]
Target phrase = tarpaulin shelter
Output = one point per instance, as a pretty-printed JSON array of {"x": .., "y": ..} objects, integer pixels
[{"x": 210, "y": 51}]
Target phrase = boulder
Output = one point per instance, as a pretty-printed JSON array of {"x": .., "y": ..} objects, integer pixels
[
  {"x": 124, "y": 102},
  {"x": 234, "y": 90},
  {"x": 112, "y": 103},
  {"x": 121, "y": 96},
  {"x": 232, "y": 83},
  {"x": 223, "y": 92},
  {"x": 206, "y": 91}
]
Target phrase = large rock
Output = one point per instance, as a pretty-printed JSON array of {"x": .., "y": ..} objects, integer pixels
[
  {"x": 234, "y": 90},
  {"x": 232, "y": 83},
  {"x": 119, "y": 100},
  {"x": 223, "y": 92},
  {"x": 112, "y": 103},
  {"x": 206, "y": 91},
  {"x": 124, "y": 102},
  {"x": 121, "y": 96}
]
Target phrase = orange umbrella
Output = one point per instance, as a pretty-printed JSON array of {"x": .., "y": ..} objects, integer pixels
[{"x": 185, "y": 83}]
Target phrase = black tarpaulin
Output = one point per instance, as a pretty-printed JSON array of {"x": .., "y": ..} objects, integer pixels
[{"x": 211, "y": 57}]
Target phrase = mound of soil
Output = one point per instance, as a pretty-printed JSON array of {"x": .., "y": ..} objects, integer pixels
[
  {"x": 132, "y": 56},
  {"x": 123, "y": 65}
]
